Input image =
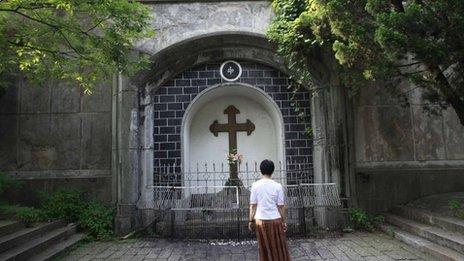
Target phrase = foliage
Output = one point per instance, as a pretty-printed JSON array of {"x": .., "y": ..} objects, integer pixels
[
  {"x": 68, "y": 205},
  {"x": 7, "y": 182},
  {"x": 233, "y": 183},
  {"x": 65, "y": 204},
  {"x": 454, "y": 204},
  {"x": 377, "y": 43},
  {"x": 82, "y": 42},
  {"x": 378, "y": 219},
  {"x": 30, "y": 215},
  {"x": 309, "y": 132},
  {"x": 98, "y": 220},
  {"x": 390, "y": 231},
  {"x": 8, "y": 211},
  {"x": 360, "y": 219},
  {"x": 457, "y": 208},
  {"x": 284, "y": 31},
  {"x": 72, "y": 206}
]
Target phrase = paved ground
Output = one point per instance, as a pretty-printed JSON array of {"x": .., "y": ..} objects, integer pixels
[{"x": 357, "y": 246}]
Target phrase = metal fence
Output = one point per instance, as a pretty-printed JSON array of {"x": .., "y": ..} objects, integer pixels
[
  {"x": 204, "y": 198},
  {"x": 212, "y": 174},
  {"x": 200, "y": 203}
]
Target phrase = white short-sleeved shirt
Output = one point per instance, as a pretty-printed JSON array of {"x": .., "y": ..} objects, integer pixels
[{"x": 267, "y": 194}]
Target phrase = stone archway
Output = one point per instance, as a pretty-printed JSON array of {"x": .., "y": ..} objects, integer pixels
[
  {"x": 133, "y": 125},
  {"x": 205, "y": 48}
]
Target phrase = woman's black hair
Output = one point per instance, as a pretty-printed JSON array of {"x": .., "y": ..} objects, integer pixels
[{"x": 267, "y": 167}]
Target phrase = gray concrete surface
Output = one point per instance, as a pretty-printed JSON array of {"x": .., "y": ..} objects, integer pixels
[{"x": 357, "y": 246}]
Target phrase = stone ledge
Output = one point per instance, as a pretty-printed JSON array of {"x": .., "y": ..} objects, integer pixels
[
  {"x": 60, "y": 174},
  {"x": 415, "y": 166}
]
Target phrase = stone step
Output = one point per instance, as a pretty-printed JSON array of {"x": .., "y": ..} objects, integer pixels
[
  {"x": 425, "y": 246},
  {"x": 58, "y": 249},
  {"x": 26, "y": 234},
  {"x": 437, "y": 235},
  {"x": 34, "y": 246},
  {"x": 9, "y": 226},
  {"x": 434, "y": 219}
]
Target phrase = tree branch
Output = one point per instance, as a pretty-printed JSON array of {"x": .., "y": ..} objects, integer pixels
[
  {"x": 69, "y": 44},
  {"x": 54, "y": 26},
  {"x": 52, "y": 52},
  {"x": 30, "y": 17},
  {"x": 451, "y": 96},
  {"x": 97, "y": 24},
  {"x": 407, "y": 65}
]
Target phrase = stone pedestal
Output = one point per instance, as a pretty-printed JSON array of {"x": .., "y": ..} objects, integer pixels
[{"x": 126, "y": 219}]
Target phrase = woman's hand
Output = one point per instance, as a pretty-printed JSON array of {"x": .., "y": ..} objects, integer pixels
[
  {"x": 251, "y": 226},
  {"x": 284, "y": 225}
]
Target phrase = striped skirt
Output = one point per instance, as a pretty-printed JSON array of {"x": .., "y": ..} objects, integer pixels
[{"x": 271, "y": 240}]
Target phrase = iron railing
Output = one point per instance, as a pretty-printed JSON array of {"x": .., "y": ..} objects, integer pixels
[
  {"x": 212, "y": 174},
  {"x": 201, "y": 203}
]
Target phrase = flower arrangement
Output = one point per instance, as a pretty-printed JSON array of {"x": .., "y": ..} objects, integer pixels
[{"x": 234, "y": 158}]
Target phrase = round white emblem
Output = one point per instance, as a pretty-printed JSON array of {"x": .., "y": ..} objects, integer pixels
[{"x": 230, "y": 71}]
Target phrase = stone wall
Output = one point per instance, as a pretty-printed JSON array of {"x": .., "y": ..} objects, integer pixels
[
  {"x": 172, "y": 99},
  {"x": 175, "y": 22},
  {"x": 54, "y": 136},
  {"x": 403, "y": 153}
]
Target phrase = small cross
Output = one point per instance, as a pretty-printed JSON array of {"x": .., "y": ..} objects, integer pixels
[{"x": 230, "y": 70}]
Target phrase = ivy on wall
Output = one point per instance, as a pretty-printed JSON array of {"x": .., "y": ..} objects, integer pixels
[
  {"x": 284, "y": 31},
  {"x": 378, "y": 43}
]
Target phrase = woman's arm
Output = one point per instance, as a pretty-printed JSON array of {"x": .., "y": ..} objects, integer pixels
[
  {"x": 281, "y": 206},
  {"x": 283, "y": 212},
  {"x": 251, "y": 218},
  {"x": 252, "y": 212},
  {"x": 253, "y": 206}
]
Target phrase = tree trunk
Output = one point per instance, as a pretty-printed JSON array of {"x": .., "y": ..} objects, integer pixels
[
  {"x": 458, "y": 106},
  {"x": 451, "y": 95}
]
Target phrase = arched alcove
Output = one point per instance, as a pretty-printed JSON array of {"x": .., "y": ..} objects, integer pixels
[{"x": 200, "y": 146}]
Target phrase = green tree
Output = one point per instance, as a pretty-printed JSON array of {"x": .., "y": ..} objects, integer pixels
[
  {"x": 379, "y": 41},
  {"x": 70, "y": 40}
]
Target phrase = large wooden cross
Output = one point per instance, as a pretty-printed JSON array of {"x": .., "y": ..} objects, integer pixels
[{"x": 232, "y": 127}]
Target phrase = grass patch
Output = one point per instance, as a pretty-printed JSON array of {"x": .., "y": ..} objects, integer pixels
[{"x": 457, "y": 208}]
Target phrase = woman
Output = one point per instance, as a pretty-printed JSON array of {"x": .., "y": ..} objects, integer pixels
[{"x": 267, "y": 215}]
